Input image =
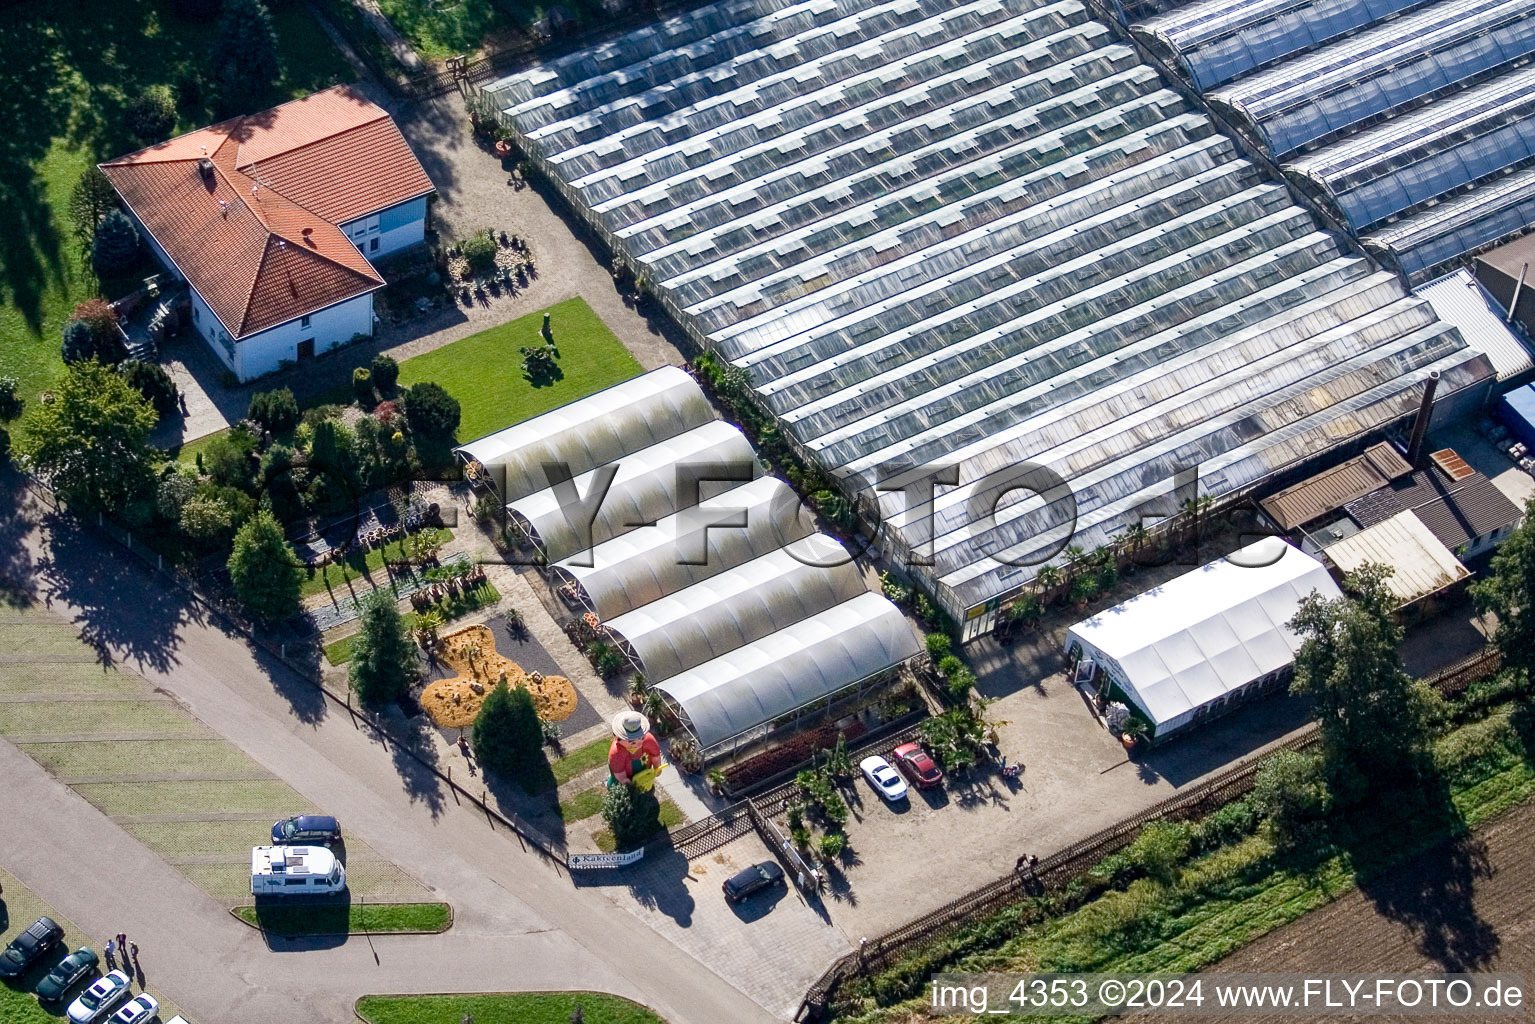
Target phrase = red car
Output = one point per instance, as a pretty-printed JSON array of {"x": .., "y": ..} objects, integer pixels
[{"x": 917, "y": 765}]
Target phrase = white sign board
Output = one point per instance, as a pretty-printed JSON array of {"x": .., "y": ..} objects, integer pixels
[{"x": 605, "y": 860}]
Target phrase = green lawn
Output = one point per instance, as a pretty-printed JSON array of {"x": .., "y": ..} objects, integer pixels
[
  {"x": 342, "y": 918},
  {"x": 69, "y": 72},
  {"x": 504, "y": 1008},
  {"x": 580, "y": 760},
  {"x": 359, "y": 564},
  {"x": 484, "y": 371},
  {"x": 583, "y": 805}
]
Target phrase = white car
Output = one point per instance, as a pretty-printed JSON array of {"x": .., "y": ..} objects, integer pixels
[
  {"x": 141, "y": 1009},
  {"x": 95, "y": 1002},
  {"x": 883, "y": 777}
]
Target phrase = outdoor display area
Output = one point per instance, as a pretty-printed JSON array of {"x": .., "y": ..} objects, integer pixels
[
  {"x": 727, "y": 602},
  {"x": 979, "y": 234}
]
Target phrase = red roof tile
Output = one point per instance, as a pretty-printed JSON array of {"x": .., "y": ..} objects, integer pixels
[{"x": 257, "y": 234}]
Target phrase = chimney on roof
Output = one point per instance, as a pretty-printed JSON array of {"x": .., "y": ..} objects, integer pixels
[
  {"x": 205, "y": 169},
  {"x": 1420, "y": 425}
]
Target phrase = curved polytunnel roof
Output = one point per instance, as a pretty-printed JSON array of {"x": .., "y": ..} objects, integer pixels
[
  {"x": 645, "y": 487},
  {"x": 1422, "y": 155},
  {"x": 1380, "y": 71},
  {"x": 788, "y": 669},
  {"x": 1219, "y": 40},
  {"x": 646, "y": 564},
  {"x": 979, "y": 232},
  {"x": 591, "y": 431},
  {"x": 1425, "y": 241},
  {"x": 745, "y": 603}
]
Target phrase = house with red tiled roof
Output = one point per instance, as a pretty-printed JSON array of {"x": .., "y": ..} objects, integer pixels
[{"x": 274, "y": 221}]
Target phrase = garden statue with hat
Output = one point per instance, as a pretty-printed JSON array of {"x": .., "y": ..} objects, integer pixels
[{"x": 634, "y": 757}]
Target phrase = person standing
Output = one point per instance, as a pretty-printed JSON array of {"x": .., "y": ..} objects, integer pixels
[{"x": 111, "y": 949}]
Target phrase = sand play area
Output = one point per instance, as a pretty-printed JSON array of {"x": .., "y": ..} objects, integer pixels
[{"x": 471, "y": 651}]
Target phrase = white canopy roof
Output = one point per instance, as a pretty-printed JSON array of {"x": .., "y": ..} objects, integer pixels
[
  {"x": 739, "y": 605},
  {"x": 643, "y": 490},
  {"x": 591, "y": 431},
  {"x": 646, "y": 564},
  {"x": 790, "y": 668},
  {"x": 1198, "y": 637}
]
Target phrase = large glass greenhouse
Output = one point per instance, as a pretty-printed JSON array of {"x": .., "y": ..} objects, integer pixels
[
  {"x": 983, "y": 235},
  {"x": 1384, "y": 110}
]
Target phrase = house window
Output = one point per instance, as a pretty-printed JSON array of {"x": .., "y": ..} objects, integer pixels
[
  {"x": 196, "y": 314},
  {"x": 303, "y": 323},
  {"x": 373, "y": 246}
]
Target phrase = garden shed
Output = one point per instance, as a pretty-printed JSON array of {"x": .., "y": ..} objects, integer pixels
[{"x": 1194, "y": 645}]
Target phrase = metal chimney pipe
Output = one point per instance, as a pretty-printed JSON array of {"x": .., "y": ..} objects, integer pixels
[{"x": 1420, "y": 425}]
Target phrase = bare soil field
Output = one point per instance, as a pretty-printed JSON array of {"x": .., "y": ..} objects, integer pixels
[{"x": 1464, "y": 906}]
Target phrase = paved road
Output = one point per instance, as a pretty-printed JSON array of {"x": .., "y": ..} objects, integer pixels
[{"x": 520, "y": 922}]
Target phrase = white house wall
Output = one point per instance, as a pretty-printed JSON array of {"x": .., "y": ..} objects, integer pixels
[
  {"x": 395, "y": 228},
  {"x": 331, "y": 327}
]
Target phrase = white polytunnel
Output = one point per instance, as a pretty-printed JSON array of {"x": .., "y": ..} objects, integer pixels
[
  {"x": 748, "y": 689},
  {"x": 590, "y": 431},
  {"x": 680, "y": 550},
  {"x": 1195, "y": 641},
  {"x": 735, "y": 607},
  {"x": 646, "y": 486}
]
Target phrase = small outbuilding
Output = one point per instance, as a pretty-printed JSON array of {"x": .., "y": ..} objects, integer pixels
[{"x": 1198, "y": 644}]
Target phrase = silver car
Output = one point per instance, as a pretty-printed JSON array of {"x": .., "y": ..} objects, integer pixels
[{"x": 97, "y": 1001}]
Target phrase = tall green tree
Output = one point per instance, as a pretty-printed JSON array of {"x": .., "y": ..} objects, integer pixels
[
  {"x": 264, "y": 569},
  {"x": 1375, "y": 718},
  {"x": 1508, "y": 591},
  {"x": 384, "y": 662},
  {"x": 92, "y": 441},
  {"x": 507, "y": 735},
  {"x": 247, "y": 49}
]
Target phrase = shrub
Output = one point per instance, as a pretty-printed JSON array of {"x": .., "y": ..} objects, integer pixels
[
  {"x": 1290, "y": 790},
  {"x": 1161, "y": 848},
  {"x": 152, "y": 114},
  {"x": 91, "y": 199},
  {"x": 115, "y": 245},
  {"x": 431, "y": 411},
  {"x": 960, "y": 684},
  {"x": 151, "y": 381},
  {"x": 362, "y": 386},
  {"x": 507, "y": 735},
  {"x": 196, "y": 8},
  {"x": 264, "y": 570},
  {"x": 227, "y": 460},
  {"x": 206, "y": 516},
  {"x": 384, "y": 662},
  {"x": 938, "y": 646},
  {"x": 173, "y": 492},
  {"x": 386, "y": 412},
  {"x": 948, "y": 665},
  {"x": 11, "y": 403},
  {"x": 479, "y": 251},
  {"x": 97, "y": 315},
  {"x": 832, "y": 844},
  {"x": 275, "y": 410},
  {"x": 386, "y": 373},
  {"x": 606, "y": 659},
  {"x": 1227, "y": 825},
  {"x": 632, "y": 816}
]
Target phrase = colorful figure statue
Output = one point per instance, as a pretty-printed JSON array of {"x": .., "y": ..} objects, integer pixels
[{"x": 635, "y": 756}]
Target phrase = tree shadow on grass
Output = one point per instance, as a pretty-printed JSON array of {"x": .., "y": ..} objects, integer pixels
[{"x": 18, "y": 574}]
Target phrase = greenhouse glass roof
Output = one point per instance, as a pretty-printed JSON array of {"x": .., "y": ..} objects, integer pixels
[
  {"x": 979, "y": 233},
  {"x": 1402, "y": 115}
]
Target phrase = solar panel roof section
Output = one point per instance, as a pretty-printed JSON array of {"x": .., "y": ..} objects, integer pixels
[
  {"x": 1381, "y": 71},
  {"x": 1011, "y": 243}
]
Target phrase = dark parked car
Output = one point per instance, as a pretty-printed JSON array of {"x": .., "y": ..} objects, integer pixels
[
  {"x": 66, "y": 973},
  {"x": 752, "y": 880},
  {"x": 29, "y": 947},
  {"x": 307, "y": 830}
]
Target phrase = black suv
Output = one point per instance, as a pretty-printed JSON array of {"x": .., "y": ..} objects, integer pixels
[
  {"x": 307, "y": 830},
  {"x": 752, "y": 880},
  {"x": 29, "y": 947}
]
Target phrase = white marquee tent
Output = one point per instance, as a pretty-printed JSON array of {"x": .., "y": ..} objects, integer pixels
[{"x": 1196, "y": 640}]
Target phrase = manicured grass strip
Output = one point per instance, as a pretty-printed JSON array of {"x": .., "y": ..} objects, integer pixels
[
  {"x": 670, "y": 817},
  {"x": 580, "y": 760},
  {"x": 87, "y": 717},
  {"x": 484, "y": 371},
  {"x": 345, "y": 919},
  {"x": 131, "y": 757},
  {"x": 336, "y": 575},
  {"x": 257, "y": 795},
  {"x": 583, "y": 805},
  {"x": 504, "y": 1008}
]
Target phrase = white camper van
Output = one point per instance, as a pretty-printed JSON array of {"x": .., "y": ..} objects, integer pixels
[{"x": 295, "y": 871}]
